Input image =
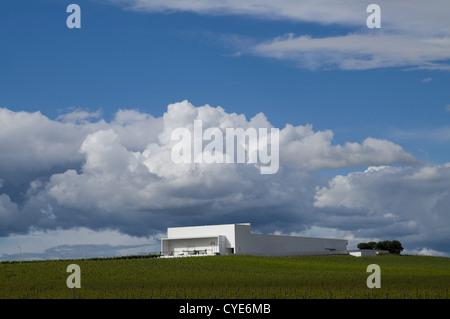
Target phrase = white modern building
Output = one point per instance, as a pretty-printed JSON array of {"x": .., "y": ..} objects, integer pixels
[{"x": 239, "y": 240}]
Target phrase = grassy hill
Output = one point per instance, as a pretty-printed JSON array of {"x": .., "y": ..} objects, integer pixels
[{"x": 312, "y": 277}]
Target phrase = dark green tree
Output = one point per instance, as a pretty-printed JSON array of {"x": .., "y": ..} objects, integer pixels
[
  {"x": 394, "y": 247},
  {"x": 369, "y": 245},
  {"x": 364, "y": 246}
]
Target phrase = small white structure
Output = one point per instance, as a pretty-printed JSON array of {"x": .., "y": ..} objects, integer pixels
[
  {"x": 237, "y": 239},
  {"x": 362, "y": 253},
  {"x": 366, "y": 252}
]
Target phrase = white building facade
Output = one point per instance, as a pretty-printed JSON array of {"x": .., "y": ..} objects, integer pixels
[{"x": 237, "y": 239}]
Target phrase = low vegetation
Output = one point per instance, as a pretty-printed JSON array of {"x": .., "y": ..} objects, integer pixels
[{"x": 318, "y": 277}]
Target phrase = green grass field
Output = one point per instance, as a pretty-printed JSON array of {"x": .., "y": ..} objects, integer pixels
[{"x": 311, "y": 277}]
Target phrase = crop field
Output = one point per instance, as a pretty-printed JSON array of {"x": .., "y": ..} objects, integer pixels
[{"x": 242, "y": 277}]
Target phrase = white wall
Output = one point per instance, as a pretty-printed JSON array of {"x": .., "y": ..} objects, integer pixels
[
  {"x": 274, "y": 245},
  {"x": 227, "y": 230}
]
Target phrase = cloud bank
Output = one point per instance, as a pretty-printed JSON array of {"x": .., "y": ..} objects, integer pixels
[
  {"x": 119, "y": 176},
  {"x": 412, "y": 35}
]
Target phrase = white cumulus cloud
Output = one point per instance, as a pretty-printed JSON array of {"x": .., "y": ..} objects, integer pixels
[
  {"x": 119, "y": 175},
  {"x": 410, "y": 203}
]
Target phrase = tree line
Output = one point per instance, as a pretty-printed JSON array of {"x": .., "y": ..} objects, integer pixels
[{"x": 394, "y": 246}]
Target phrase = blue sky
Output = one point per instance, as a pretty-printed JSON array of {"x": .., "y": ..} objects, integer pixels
[
  {"x": 298, "y": 63},
  {"x": 123, "y": 59}
]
